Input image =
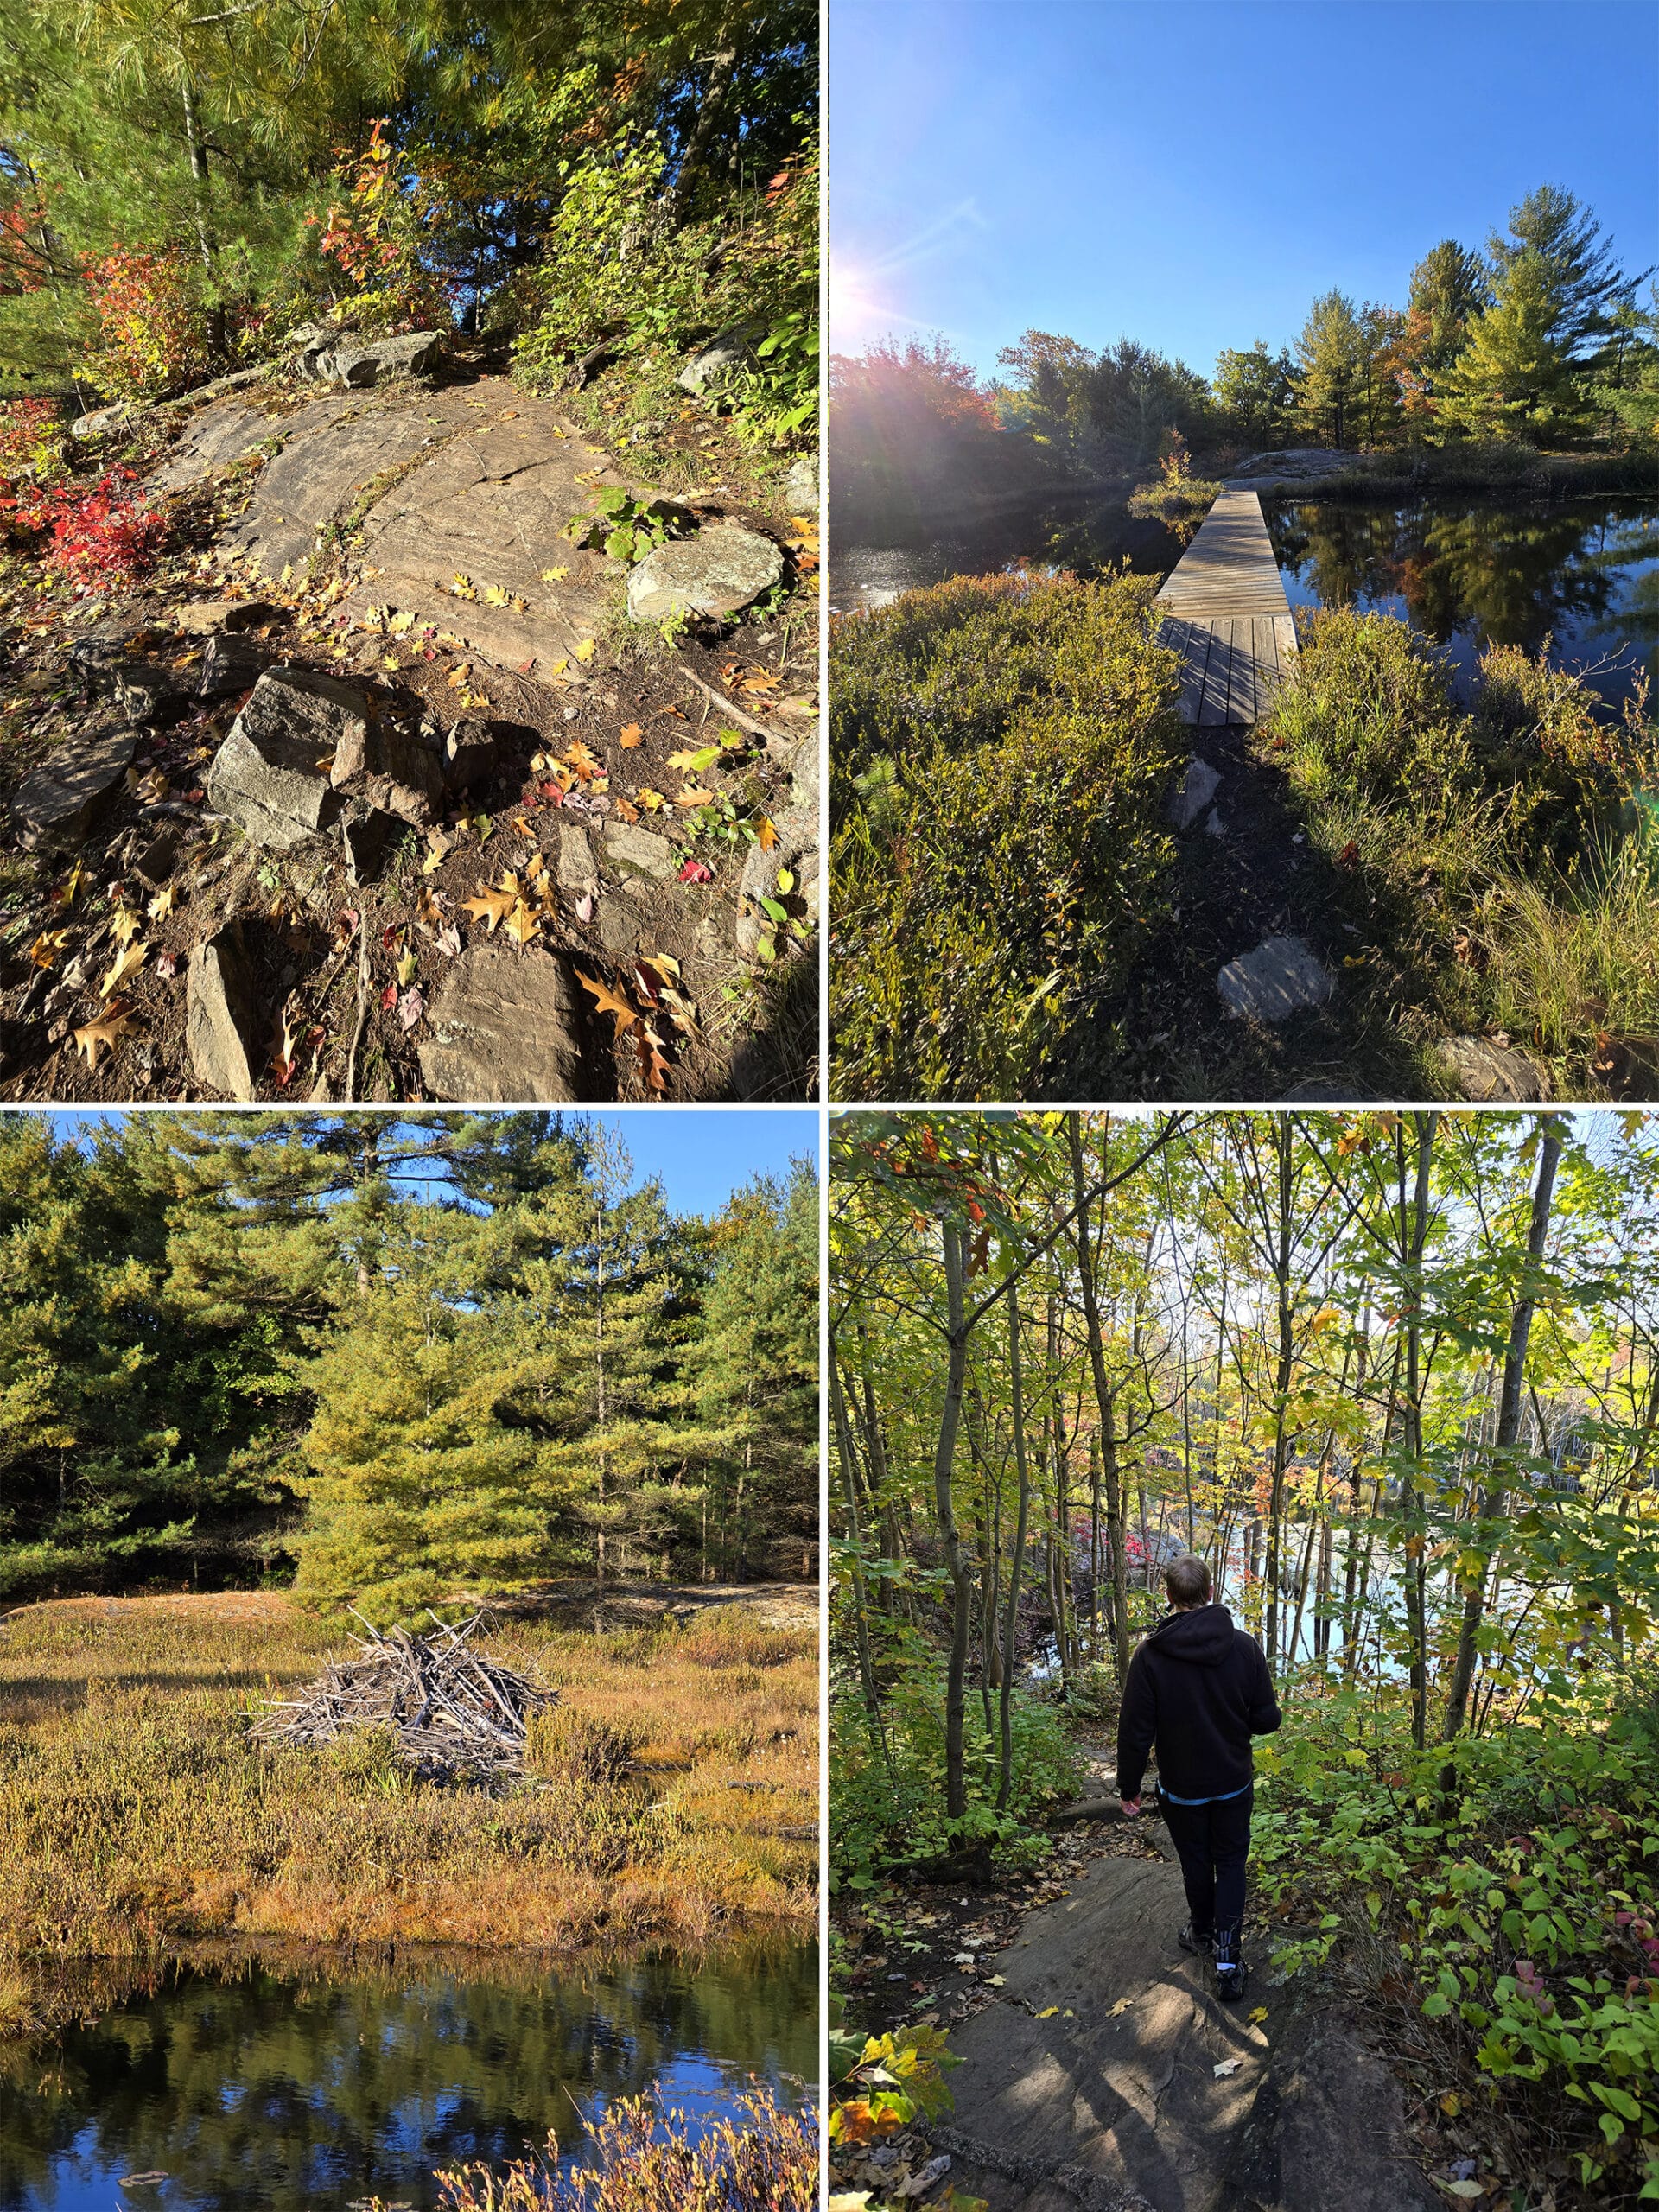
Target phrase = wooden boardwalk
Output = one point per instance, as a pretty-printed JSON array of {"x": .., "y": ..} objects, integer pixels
[{"x": 1226, "y": 614}]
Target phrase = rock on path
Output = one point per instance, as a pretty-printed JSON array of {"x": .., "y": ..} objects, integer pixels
[
  {"x": 1283, "y": 975},
  {"x": 1490, "y": 1072}
]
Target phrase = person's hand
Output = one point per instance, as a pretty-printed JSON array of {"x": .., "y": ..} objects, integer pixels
[{"x": 1131, "y": 1808}]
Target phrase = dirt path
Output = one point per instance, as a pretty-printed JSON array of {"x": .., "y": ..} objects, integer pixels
[{"x": 1244, "y": 874}]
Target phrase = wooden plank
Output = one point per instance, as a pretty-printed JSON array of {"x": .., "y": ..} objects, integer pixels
[
  {"x": 1195, "y": 649},
  {"x": 1212, "y": 714},
  {"x": 1240, "y": 679},
  {"x": 1284, "y": 630},
  {"x": 1266, "y": 653}
]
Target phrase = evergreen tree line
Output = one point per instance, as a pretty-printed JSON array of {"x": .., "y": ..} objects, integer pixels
[
  {"x": 1546, "y": 339},
  {"x": 182, "y": 180},
  {"x": 393, "y": 1362}
]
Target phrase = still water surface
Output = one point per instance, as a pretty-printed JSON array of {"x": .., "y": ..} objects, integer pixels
[
  {"x": 1465, "y": 569},
  {"x": 266, "y": 2091}
]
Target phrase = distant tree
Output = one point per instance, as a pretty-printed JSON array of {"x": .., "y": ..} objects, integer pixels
[
  {"x": 1516, "y": 379},
  {"x": 1376, "y": 406},
  {"x": 425, "y": 1482},
  {"x": 1570, "y": 270},
  {"x": 1256, "y": 389},
  {"x": 1627, "y": 387},
  {"x": 752, "y": 1378},
  {"x": 1328, "y": 354},
  {"x": 1449, "y": 287}
]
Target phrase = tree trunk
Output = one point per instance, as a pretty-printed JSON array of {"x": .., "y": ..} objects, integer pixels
[
  {"x": 1106, "y": 1407},
  {"x": 957, "y": 1565},
  {"x": 1016, "y": 1565},
  {"x": 1509, "y": 1430}
]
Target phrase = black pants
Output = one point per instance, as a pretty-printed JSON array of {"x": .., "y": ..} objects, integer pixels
[{"x": 1213, "y": 1841}]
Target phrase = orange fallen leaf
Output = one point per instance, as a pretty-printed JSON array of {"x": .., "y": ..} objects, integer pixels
[
  {"x": 765, "y": 835},
  {"x": 694, "y": 795},
  {"x": 490, "y": 907},
  {"x": 631, "y": 736},
  {"x": 623, "y": 1013}
]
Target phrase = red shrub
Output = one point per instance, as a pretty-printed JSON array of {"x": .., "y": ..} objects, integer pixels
[{"x": 101, "y": 533}]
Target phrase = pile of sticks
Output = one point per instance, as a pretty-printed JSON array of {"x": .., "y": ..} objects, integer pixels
[{"x": 457, "y": 1717}]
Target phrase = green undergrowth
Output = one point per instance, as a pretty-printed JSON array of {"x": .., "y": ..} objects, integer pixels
[
  {"x": 1508, "y": 1928},
  {"x": 1499, "y": 857},
  {"x": 1001, "y": 747},
  {"x": 886, "y": 1789}
]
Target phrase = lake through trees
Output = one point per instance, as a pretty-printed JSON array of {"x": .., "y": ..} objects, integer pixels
[
  {"x": 1465, "y": 569},
  {"x": 271, "y": 2088}
]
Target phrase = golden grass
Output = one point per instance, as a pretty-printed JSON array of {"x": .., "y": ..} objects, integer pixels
[{"x": 140, "y": 1821}]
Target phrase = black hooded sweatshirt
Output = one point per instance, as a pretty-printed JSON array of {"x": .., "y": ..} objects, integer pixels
[{"x": 1198, "y": 1688}]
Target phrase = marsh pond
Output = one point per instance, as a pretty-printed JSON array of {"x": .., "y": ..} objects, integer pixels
[
  {"x": 275, "y": 2087},
  {"x": 1467, "y": 569}
]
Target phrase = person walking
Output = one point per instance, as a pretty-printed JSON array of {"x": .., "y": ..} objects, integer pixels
[{"x": 1197, "y": 1690}]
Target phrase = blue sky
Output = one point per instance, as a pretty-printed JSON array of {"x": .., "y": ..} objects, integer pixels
[
  {"x": 1191, "y": 174},
  {"x": 700, "y": 1155}
]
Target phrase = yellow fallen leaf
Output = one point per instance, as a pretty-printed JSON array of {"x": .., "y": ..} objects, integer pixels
[
  {"x": 522, "y": 924},
  {"x": 586, "y": 649},
  {"x": 129, "y": 962},
  {"x": 554, "y": 575},
  {"x": 765, "y": 835},
  {"x": 124, "y": 926},
  {"x": 496, "y": 594},
  {"x": 1048, "y": 2012},
  {"x": 47, "y": 942},
  {"x": 162, "y": 904},
  {"x": 464, "y": 587},
  {"x": 652, "y": 800},
  {"x": 1259, "y": 2014}
]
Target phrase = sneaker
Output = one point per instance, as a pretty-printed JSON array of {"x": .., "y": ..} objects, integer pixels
[
  {"x": 1193, "y": 1939},
  {"x": 1231, "y": 1972}
]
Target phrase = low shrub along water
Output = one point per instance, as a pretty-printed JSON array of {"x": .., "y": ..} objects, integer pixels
[{"x": 1001, "y": 748}]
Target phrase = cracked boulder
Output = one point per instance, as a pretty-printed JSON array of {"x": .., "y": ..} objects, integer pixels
[
  {"x": 1483, "y": 1070},
  {"x": 232, "y": 664},
  {"x": 1193, "y": 795},
  {"x": 504, "y": 1027},
  {"x": 220, "y": 1023},
  {"x": 269, "y": 776},
  {"x": 724, "y": 568},
  {"x": 62, "y": 801},
  {"x": 390, "y": 769},
  {"x": 209, "y": 617},
  {"x": 359, "y": 364},
  {"x": 722, "y": 360}
]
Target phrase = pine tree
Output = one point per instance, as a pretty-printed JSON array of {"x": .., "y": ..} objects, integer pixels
[
  {"x": 1328, "y": 358},
  {"x": 600, "y": 1284},
  {"x": 1513, "y": 379},
  {"x": 1571, "y": 269},
  {"x": 754, "y": 1380},
  {"x": 424, "y": 1487}
]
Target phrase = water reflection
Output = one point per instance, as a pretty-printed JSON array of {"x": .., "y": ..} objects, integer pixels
[
  {"x": 268, "y": 2090},
  {"x": 1584, "y": 573}
]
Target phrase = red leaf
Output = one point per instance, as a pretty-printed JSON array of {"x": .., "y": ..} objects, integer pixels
[
  {"x": 388, "y": 997},
  {"x": 696, "y": 872}
]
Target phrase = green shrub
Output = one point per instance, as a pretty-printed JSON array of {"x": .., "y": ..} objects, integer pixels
[
  {"x": 1518, "y": 1916},
  {"x": 1001, "y": 747}
]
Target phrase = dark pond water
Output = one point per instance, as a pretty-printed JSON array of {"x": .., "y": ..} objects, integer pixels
[
  {"x": 270, "y": 2090},
  {"x": 1464, "y": 570}
]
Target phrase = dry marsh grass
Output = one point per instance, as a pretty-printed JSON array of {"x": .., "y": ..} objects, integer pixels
[{"x": 672, "y": 1796}]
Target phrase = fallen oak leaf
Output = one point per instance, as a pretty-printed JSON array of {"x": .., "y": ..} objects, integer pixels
[
  {"x": 47, "y": 942},
  {"x": 522, "y": 924},
  {"x": 631, "y": 736},
  {"x": 694, "y": 796},
  {"x": 620, "y": 1010},
  {"x": 765, "y": 832},
  {"x": 103, "y": 1035},
  {"x": 697, "y": 871},
  {"x": 162, "y": 904},
  {"x": 493, "y": 906},
  {"x": 125, "y": 925}
]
